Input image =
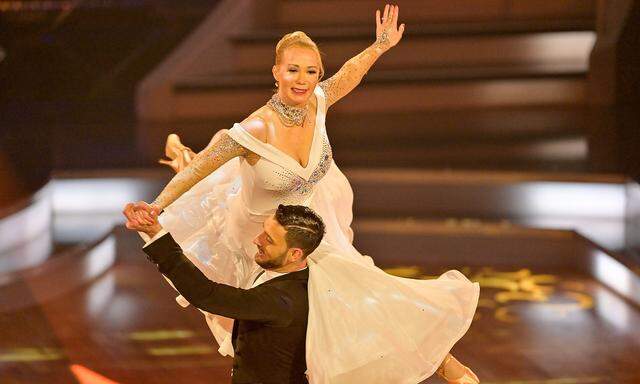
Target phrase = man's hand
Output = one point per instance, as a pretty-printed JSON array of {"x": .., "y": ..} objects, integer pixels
[
  {"x": 140, "y": 213},
  {"x": 142, "y": 217}
]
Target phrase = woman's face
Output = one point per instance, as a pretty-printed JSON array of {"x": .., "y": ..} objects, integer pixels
[{"x": 297, "y": 75}]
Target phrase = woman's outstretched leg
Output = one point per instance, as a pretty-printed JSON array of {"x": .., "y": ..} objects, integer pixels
[{"x": 453, "y": 372}]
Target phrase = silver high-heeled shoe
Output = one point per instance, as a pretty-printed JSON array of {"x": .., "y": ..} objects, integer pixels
[{"x": 179, "y": 155}]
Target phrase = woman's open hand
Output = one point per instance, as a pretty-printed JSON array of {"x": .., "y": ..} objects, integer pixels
[{"x": 387, "y": 32}]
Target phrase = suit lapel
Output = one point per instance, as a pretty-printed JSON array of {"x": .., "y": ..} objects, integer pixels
[{"x": 234, "y": 334}]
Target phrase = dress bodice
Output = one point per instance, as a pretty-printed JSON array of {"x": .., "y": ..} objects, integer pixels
[{"x": 277, "y": 178}]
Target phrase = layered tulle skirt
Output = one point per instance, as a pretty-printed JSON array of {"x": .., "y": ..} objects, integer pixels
[{"x": 364, "y": 325}]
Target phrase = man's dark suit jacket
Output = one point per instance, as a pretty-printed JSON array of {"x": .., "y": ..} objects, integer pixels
[{"x": 271, "y": 319}]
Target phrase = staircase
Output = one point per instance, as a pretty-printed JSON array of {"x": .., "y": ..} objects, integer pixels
[{"x": 473, "y": 84}]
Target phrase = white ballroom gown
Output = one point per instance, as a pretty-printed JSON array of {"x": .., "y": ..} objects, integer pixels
[{"x": 364, "y": 325}]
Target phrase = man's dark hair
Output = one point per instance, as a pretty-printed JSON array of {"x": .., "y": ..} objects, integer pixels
[{"x": 304, "y": 227}]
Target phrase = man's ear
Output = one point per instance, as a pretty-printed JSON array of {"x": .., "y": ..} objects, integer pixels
[{"x": 296, "y": 254}]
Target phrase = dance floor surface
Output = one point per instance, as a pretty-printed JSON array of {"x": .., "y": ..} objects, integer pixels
[{"x": 532, "y": 326}]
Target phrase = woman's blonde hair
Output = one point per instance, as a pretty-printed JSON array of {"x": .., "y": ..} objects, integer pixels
[{"x": 297, "y": 39}]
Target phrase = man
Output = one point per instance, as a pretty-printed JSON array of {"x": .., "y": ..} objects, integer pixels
[{"x": 269, "y": 333}]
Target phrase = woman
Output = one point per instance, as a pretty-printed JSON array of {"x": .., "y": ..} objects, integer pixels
[{"x": 364, "y": 324}]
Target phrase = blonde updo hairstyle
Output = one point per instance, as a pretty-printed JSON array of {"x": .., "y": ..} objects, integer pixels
[{"x": 298, "y": 39}]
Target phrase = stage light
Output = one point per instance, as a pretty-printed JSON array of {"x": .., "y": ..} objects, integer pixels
[
  {"x": 615, "y": 275},
  {"x": 573, "y": 200}
]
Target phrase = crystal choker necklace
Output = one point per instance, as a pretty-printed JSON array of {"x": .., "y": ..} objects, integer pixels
[{"x": 288, "y": 114}]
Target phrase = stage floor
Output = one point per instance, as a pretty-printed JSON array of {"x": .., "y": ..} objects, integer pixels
[{"x": 532, "y": 326}]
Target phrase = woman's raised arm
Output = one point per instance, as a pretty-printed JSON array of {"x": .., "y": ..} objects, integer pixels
[
  {"x": 351, "y": 73},
  {"x": 205, "y": 162}
]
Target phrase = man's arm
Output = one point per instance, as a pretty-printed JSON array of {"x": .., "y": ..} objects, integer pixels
[{"x": 263, "y": 303}]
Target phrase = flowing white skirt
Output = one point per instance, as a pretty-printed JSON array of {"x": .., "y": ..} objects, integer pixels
[{"x": 364, "y": 325}]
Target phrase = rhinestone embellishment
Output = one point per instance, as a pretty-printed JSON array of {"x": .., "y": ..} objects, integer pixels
[{"x": 295, "y": 188}]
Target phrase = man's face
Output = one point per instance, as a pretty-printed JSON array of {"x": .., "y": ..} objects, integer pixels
[{"x": 273, "y": 251}]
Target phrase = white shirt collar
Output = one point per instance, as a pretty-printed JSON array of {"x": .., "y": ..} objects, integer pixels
[{"x": 268, "y": 275}]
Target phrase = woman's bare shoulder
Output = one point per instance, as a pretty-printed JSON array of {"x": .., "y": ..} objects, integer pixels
[{"x": 259, "y": 123}]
